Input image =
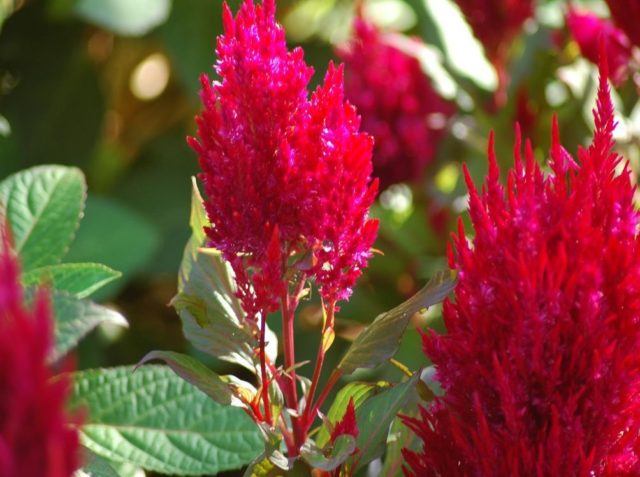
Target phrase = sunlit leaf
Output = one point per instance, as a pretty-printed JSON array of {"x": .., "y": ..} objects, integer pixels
[
  {"x": 212, "y": 318},
  {"x": 196, "y": 373},
  {"x": 43, "y": 207},
  {"x": 156, "y": 420},
  {"x": 75, "y": 318},
  {"x": 78, "y": 279}
]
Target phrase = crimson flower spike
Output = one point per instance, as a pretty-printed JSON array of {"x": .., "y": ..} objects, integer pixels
[
  {"x": 36, "y": 439},
  {"x": 625, "y": 14},
  {"x": 540, "y": 366},
  {"x": 496, "y": 23},
  {"x": 406, "y": 116},
  {"x": 284, "y": 174}
]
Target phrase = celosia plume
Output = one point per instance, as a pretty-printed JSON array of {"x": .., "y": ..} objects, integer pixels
[
  {"x": 399, "y": 107},
  {"x": 588, "y": 30},
  {"x": 284, "y": 173},
  {"x": 496, "y": 23},
  {"x": 348, "y": 423},
  {"x": 540, "y": 365},
  {"x": 626, "y": 13},
  {"x": 35, "y": 437}
]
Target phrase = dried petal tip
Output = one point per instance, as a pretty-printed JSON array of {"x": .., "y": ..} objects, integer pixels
[
  {"x": 36, "y": 439},
  {"x": 541, "y": 358}
]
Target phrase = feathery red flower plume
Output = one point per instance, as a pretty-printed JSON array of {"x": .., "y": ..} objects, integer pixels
[
  {"x": 348, "y": 423},
  {"x": 540, "y": 365},
  {"x": 625, "y": 14},
  {"x": 35, "y": 437},
  {"x": 399, "y": 107},
  {"x": 284, "y": 174},
  {"x": 588, "y": 30}
]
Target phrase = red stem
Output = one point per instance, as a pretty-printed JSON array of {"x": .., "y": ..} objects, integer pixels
[
  {"x": 309, "y": 415},
  {"x": 333, "y": 379},
  {"x": 263, "y": 370},
  {"x": 291, "y": 393},
  {"x": 289, "y": 350}
]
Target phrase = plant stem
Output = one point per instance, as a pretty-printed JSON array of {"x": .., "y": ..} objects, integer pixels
[
  {"x": 289, "y": 350},
  {"x": 263, "y": 370},
  {"x": 331, "y": 382},
  {"x": 328, "y": 324},
  {"x": 291, "y": 393}
]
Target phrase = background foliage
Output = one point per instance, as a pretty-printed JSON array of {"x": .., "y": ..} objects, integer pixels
[{"x": 111, "y": 87}]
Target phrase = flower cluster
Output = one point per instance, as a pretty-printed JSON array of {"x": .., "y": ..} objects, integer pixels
[
  {"x": 625, "y": 14},
  {"x": 286, "y": 175},
  {"x": 588, "y": 30},
  {"x": 405, "y": 115},
  {"x": 496, "y": 23},
  {"x": 35, "y": 437},
  {"x": 541, "y": 363}
]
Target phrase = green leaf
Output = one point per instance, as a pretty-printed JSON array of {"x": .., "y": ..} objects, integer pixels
[
  {"x": 154, "y": 419},
  {"x": 43, "y": 206},
  {"x": 340, "y": 451},
  {"x": 124, "y": 17},
  {"x": 78, "y": 279},
  {"x": 196, "y": 373},
  {"x": 75, "y": 318},
  {"x": 359, "y": 392},
  {"x": 380, "y": 340},
  {"x": 198, "y": 216},
  {"x": 374, "y": 418},
  {"x": 95, "y": 466},
  {"x": 212, "y": 318}
]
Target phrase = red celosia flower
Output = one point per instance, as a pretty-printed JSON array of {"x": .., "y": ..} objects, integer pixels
[
  {"x": 35, "y": 437},
  {"x": 399, "y": 107},
  {"x": 284, "y": 174},
  {"x": 348, "y": 423},
  {"x": 588, "y": 30},
  {"x": 541, "y": 363},
  {"x": 526, "y": 114},
  {"x": 626, "y": 13},
  {"x": 496, "y": 23}
]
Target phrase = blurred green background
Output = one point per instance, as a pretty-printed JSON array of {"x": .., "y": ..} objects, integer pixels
[{"x": 111, "y": 86}]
